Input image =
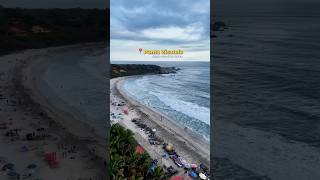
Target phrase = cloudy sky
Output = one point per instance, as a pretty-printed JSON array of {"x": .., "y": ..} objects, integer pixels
[
  {"x": 160, "y": 24},
  {"x": 55, "y": 3}
]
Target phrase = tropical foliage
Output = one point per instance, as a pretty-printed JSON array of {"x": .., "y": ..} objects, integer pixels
[
  {"x": 125, "y": 162},
  {"x": 39, "y": 28}
]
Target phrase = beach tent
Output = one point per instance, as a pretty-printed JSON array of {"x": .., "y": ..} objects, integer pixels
[
  {"x": 176, "y": 178},
  {"x": 194, "y": 166},
  {"x": 193, "y": 174}
]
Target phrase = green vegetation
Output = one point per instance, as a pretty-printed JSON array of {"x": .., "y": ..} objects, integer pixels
[
  {"x": 125, "y": 162},
  {"x": 120, "y": 70},
  {"x": 39, "y": 28}
]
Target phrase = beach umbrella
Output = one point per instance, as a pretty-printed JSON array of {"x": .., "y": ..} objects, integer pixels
[
  {"x": 193, "y": 174},
  {"x": 176, "y": 178},
  {"x": 8, "y": 166},
  {"x": 169, "y": 147},
  {"x": 31, "y": 166},
  {"x": 202, "y": 176},
  {"x": 154, "y": 130}
]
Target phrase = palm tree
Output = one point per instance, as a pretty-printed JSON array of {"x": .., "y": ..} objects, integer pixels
[{"x": 125, "y": 162}]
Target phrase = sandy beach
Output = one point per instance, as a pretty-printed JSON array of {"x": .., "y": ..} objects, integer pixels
[
  {"x": 189, "y": 146},
  {"x": 32, "y": 129}
]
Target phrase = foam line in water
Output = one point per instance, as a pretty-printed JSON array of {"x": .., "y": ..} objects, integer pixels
[{"x": 188, "y": 108}]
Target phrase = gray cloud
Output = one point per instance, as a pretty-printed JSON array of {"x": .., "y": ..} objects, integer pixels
[{"x": 137, "y": 19}]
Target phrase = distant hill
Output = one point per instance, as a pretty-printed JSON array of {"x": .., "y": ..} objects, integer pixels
[
  {"x": 119, "y": 70},
  {"x": 39, "y": 28}
]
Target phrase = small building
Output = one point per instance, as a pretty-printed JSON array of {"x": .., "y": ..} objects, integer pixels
[{"x": 123, "y": 71}]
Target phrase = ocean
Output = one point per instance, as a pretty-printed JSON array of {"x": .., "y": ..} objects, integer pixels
[
  {"x": 266, "y": 93},
  {"x": 75, "y": 82},
  {"x": 184, "y": 96}
]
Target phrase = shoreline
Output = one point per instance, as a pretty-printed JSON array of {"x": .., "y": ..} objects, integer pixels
[
  {"x": 81, "y": 131},
  {"x": 180, "y": 126},
  {"x": 186, "y": 144},
  {"x": 41, "y": 113}
]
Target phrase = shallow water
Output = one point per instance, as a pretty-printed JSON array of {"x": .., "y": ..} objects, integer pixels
[{"x": 75, "y": 82}]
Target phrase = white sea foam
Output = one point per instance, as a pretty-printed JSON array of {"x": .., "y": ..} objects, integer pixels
[
  {"x": 176, "y": 96},
  {"x": 188, "y": 108}
]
